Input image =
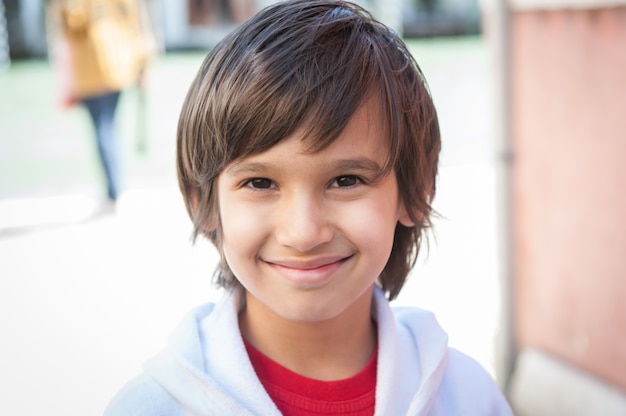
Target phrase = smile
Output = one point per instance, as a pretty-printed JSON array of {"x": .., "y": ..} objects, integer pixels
[{"x": 310, "y": 273}]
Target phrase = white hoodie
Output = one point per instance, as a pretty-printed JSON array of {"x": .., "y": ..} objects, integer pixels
[{"x": 205, "y": 370}]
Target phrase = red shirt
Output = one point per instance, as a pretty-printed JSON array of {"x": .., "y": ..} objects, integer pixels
[{"x": 296, "y": 395}]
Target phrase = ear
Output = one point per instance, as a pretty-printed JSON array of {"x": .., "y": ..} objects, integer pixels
[
  {"x": 210, "y": 224},
  {"x": 194, "y": 198},
  {"x": 403, "y": 216}
]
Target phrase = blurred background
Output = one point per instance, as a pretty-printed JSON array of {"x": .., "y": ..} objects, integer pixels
[{"x": 525, "y": 269}]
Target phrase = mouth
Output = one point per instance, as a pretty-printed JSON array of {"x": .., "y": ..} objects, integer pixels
[{"x": 308, "y": 273}]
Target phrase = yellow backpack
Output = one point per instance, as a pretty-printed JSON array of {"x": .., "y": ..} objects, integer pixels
[{"x": 109, "y": 41}]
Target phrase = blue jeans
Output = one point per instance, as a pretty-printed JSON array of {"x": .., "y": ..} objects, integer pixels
[{"x": 102, "y": 111}]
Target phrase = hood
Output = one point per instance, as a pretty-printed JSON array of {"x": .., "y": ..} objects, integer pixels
[
  {"x": 205, "y": 366},
  {"x": 413, "y": 352}
]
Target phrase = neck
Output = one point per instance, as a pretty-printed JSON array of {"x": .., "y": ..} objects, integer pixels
[{"x": 333, "y": 349}]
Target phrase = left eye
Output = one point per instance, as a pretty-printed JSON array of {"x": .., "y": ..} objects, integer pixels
[
  {"x": 259, "y": 183},
  {"x": 347, "y": 181}
]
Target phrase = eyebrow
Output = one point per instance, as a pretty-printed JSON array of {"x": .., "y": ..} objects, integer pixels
[
  {"x": 363, "y": 164},
  {"x": 358, "y": 164},
  {"x": 246, "y": 168}
]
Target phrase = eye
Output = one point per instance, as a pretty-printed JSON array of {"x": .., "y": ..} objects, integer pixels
[
  {"x": 347, "y": 181},
  {"x": 259, "y": 183}
]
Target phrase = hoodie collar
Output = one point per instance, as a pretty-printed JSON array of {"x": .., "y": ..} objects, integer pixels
[
  {"x": 412, "y": 358},
  {"x": 205, "y": 366}
]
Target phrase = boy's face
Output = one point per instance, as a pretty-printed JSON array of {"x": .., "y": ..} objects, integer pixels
[{"x": 307, "y": 234}]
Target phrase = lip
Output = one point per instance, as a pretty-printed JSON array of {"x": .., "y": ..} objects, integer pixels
[{"x": 309, "y": 273}]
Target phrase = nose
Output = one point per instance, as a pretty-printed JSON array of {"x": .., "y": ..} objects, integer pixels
[{"x": 303, "y": 222}]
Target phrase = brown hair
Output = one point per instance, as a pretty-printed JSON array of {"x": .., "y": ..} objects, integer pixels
[{"x": 308, "y": 63}]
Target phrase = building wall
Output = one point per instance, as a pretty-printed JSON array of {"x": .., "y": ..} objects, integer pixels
[
  {"x": 568, "y": 137},
  {"x": 185, "y": 24},
  {"x": 25, "y": 27}
]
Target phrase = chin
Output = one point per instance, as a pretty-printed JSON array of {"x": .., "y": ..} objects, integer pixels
[{"x": 307, "y": 314}]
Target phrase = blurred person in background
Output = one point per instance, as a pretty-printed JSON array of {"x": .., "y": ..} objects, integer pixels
[{"x": 101, "y": 48}]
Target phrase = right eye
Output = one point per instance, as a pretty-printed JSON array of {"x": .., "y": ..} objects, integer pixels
[{"x": 259, "y": 183}]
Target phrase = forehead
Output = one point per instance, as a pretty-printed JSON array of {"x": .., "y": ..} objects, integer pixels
[
  {"x": 366, "y": 127},
  {"x": 363, "y": 142}
]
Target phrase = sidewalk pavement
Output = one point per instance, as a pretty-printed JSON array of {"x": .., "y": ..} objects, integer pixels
[{"x": 86, "y": 297}]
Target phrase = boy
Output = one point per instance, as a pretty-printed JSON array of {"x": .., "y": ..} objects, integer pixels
[{"x": 307, "y": 153}]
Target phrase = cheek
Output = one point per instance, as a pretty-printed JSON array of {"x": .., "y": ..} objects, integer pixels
[
  {"x": 372, "y": 224},
  {"x": 243, "y": 231},
  {"x": 236, "y": 223}
]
